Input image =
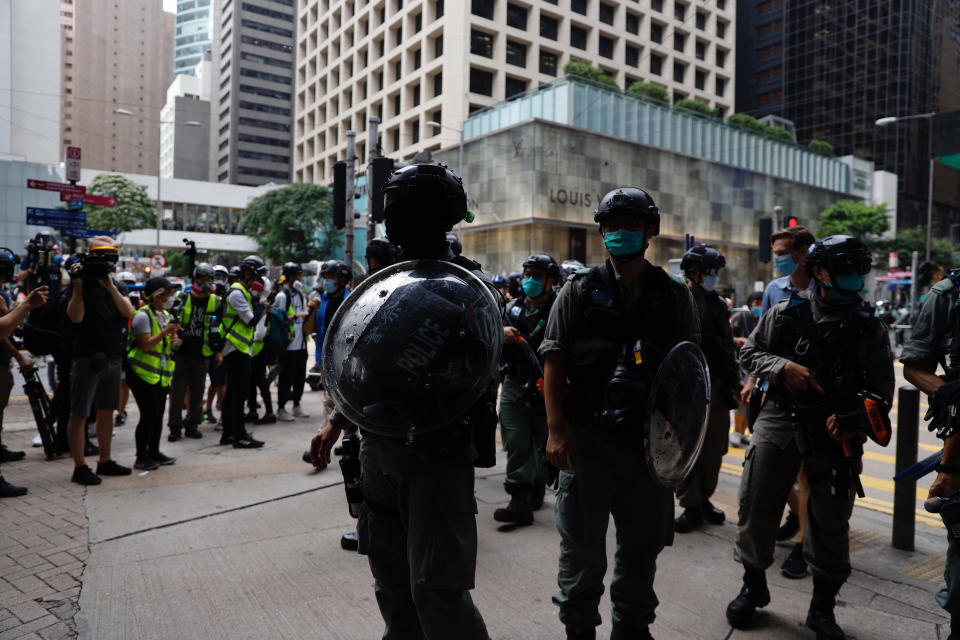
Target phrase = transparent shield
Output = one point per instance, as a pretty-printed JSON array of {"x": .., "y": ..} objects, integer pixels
[
  {"x": 677, "y": 414},
  {"x": 412, "y": 348}
]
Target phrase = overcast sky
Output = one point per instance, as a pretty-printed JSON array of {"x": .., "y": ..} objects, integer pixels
[{"x": 170, "y": 5}]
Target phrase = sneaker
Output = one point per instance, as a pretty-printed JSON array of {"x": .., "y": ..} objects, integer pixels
[
  {"x": 163, "y": 460},
  {"x": 90, "y": 449},
  {"x": 8, "y": 490},
  {"x": 6, "y": 455},
  {"x": 795, "y": 566},
  {"x": 83, "y": 475},
  {"x": 209, "y": 418},
  {"x": 37, "y": 441},
  {"x": 283, "y": 416},
  {"x": 316, "y": 369},
  {"x": 349, "y": 541},
  {"x": 120, "y": 420},
  {"x": 300, "y": 413},
  {"x": 247, "y": 442},
  {"x": 268, "y": 419},
  {"x": 111, "y": 468},
  {"x": 145, "y": 464},
  {"x": 744, "y": 439},
  {"x": 734, "y": 439},
  {"x": 219, "y": 426}
]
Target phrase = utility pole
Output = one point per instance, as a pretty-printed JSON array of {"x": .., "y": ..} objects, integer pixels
[
  {"x": 373, "y": 151},
  {"x": 348, "y": 222}
]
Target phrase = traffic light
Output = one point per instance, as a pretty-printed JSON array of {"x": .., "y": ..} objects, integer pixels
[
  {"x": 339, "y": 195},
  {"x": 146, "y": 270},
  {"x": 380, "y": 169},
  {"x": 792, "y": 221},
  {"x": 763, "y": 241}
]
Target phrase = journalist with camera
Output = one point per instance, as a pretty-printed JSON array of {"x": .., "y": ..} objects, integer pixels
[
  {"x": 196, "y": 313},
  {"x": 99, "y": 311}
]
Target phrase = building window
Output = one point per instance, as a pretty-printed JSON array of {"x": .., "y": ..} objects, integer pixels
[
  {"x": 548, "y": 63},
  {"x": 721, "y": 4},
  {"x": 700, "y": 79},
  {"x": 396, "y": 105},
  {"x": 398, "y": 35},
  {"x": 605, "y": 47},
  {"x": 438, "y": 46},
  {"x": 481, "y": 43},
  {"x": 721, "y": 58},
  {"x": 657, "y": 5},
  {"x": 418, "y": 23},
  {"x": 607, "y": 12},
  {"x": 656, "y": 32},
  {"x": 632, "y": 56},
  {"x": 517, "y": 16},
  {"x": 549, "y": 27},
  {"x": 701, "y": 50},
  {"x": 721, "y": 29},
  {"x": 482, "y": 8},
  {"x": 416, "y": 96},
  {"x": 416, "y": 59},
  {"x": 437, "y": 84},
  {"x": 439, "y": 8},
  {"x": 415, "y": 131},
  {"x": 514, "y": 87},
  {"x": 678, "y": 71},
  {"x": 721, "y": 86},
  {"x": 579, "y": 6},
  {"x": 679, "y": 11},
  {"x": 578, "y": 37},
  {"x": 633, "y": 23},
  {"x": 397, "y": 70},
  {"x": 656, "y": 64},
  {"x": 481, "y": 82},
  {"x": 679, "y": 40},
  {"x": 516, "y": 53},
  {"x": 701, "y": 21}
]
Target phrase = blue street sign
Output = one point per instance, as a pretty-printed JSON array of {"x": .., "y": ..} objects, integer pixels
[
  {"x": 56, "y": 217},
  {"x": 79, "y": 232},
  {"x": 100, "y": 232},
  {"x": 75, "y": 205}
]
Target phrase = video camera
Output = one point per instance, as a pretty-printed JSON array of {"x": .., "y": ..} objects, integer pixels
[
  {"x": 97, "y": 265},
  {"x": 41, "y": 253}
]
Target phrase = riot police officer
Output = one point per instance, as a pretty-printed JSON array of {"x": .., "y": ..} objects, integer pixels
[
  {"x": 417, "y": 525},
  {"x": 523, "y": 421},
  {"x": 701, "y": 265},
  {"x": 599, "y": 314},
  {"x": 824, "y": 353},
  {"x": 935, "y": 338}
]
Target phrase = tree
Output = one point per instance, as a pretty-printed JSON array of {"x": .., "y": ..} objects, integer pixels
[
  {"x": 134, "y": 208},
  {"x": 853, "y": 218},
  {"x": 586, "y": 70},
  {"x": 746, "y": 121},
  {"x": 293, "y": 223},
  {"x": 821, "y": 147},
  {"x": 650, "y": 90},
  {"x": 942, "y": 251}
]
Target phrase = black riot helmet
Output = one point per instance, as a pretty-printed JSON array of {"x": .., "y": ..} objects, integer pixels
[
  {"x": 234, "y": 273},
  {"x": 702, "y": 258},
  {"x": 544, "y": 261},
  {"x": 8, "y": 262},
  {"x": 255, "y": 265},
  {"x": 571, "y": 266},
  {"x": 381, "y": 250},
  {"x": 455, "y": 245},
  {"x": 421, "y": 198},
  {"x": 336, "y": 268},
  {"x": 629, "y": 201},
  {"x": 514, "y": 279},
  {"x": 203, "y": 269},
  {"x": 290, "y": 269},
  {"x": 840, "y": 255}
]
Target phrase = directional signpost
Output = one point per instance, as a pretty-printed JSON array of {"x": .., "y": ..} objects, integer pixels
[
  {"x": 56, "y": 217},
  {"x": 46, "y": 185},
  {"x": 87, "y": 198},
  {"x": 72, "y": 222},
  {"x": 75, "y": 205}
]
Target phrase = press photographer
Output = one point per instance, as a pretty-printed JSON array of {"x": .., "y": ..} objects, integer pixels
[{"x": 99, "y": 311}]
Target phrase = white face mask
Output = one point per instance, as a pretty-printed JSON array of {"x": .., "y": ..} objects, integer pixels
[
  {"x": 298, "y": 286},
  {"x": 168, "y": 303},
  {"x": 710, "y": 282}
]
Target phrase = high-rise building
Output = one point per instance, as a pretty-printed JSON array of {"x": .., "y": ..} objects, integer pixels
[
  {"x": 30, "y": 81},
  {"x": 118, "y": 63},
  {"x": 192, "y": 35},
  {"x": 252, "y": 103},
  {"x": 421, "y": 61},
  {"x": 185, "y": 126},
  {"x": 834, "y": 69}
]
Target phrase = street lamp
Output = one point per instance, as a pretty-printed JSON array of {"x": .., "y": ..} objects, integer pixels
[
  {"x": 189, "y": 123},
  {"x": 437, "y": 125},
  {"x": 888, "y": 120}
]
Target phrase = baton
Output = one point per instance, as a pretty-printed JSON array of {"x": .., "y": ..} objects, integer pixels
[{"x": 919, "y": 469}]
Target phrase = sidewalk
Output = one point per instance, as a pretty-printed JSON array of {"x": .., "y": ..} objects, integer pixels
[{"x": 245, "y": 543}]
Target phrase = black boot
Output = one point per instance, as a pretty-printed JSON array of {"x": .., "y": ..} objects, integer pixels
[
  {"x": 954, "y": 628},
  {"x": 581, "y": 634},
  {"x": 711, "y": 514},
  {"x": 689, "y": 520},
  {"x": 630, "y": 634},
  {"x": 6, "y": 455},
  {"x": 8, "y": 490},
  {"x": 820, "y": 616},
  {"x": 519, "y": 510},
  {"x": 753, "y": 595}
]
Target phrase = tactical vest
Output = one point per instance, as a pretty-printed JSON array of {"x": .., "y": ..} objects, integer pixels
[
  {"x": 211, "y": 312},
  {"x": 157, "y": 364},
  {"x": 950, "y": 359},
  {"x": 608, "y": 328},
  {"x": 239, "y": 334}
]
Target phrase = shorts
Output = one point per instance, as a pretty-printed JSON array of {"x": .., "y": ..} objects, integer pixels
[
  {"x": 218, "y": 375},
  {"x": 94, "y": 378}
]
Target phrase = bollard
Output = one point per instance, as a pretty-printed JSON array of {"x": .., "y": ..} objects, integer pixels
[{"x": 905, "y": 491}]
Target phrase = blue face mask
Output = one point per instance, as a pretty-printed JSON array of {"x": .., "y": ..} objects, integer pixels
[
  {"x": 710, "y": 282},
  {"x": 329, "y": 286},
  {"x": 756, "y": 311},
  {"x": 847, "y": 287},
  {"x": 532, "y": 287},
  {"x": 785, "y": 264},
  {"x": 624, "y": 243}
]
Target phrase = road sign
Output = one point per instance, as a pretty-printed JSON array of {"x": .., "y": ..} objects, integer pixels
[
  {"x": 46, "y": 185},
  {"x": 56, "y": 217},
  {"x": 75, "y": 205},
  {"x": 73, "y": 164},
  {"x": 88, "y": 198},
  {"x": 158, "y": 261},
  {"x": 79, "y": 232}
]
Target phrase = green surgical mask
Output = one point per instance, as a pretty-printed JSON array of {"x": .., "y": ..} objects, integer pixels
[
  {"x": 532, "y": 287},
  {"x": 625, "y": 244}
]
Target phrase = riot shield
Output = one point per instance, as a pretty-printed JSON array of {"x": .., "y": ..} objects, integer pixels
[
  {"x": 412, "y": 348},
  {"x": 677, "y": 415}
]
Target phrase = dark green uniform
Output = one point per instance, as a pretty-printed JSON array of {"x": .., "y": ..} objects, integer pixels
[
  {"x": 523, "y": 419},
  {"x": 928, "y": 345},
  {"x": 588, "y": 323}
]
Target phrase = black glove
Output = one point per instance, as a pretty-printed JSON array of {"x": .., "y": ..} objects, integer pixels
[{"x": 942, "y": 413}]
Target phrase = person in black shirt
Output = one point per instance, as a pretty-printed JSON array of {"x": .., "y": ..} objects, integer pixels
[{"x": 99, "y": 310}]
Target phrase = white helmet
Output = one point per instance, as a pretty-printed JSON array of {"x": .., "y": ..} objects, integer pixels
[{"x": 126, "y": 277}]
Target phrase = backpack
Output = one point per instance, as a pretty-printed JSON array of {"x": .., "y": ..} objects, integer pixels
[
  {"x": 278, "y": 337},
  {"x": 42, "y": 330}
]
